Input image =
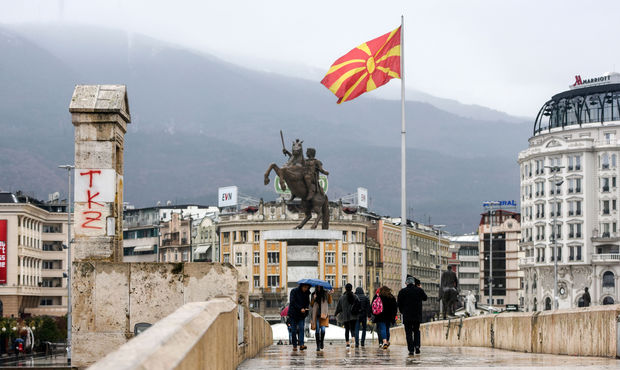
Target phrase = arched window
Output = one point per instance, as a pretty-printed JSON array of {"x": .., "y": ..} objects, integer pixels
[
  {"x": 547, "y": 304},
  {"x": 534, "y": 282},
  {"x": 608, "y": 280},
  {"x": 535, "y": 305},
  {"x": 581, "y": 302},
  {"x": 608, "y": 300}
]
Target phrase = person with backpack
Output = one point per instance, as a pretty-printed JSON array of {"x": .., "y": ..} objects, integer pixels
[
  {"x": 384, "y": 310},
  {"x": 348, "y": 308},
  {"x": 320, "y": 314},
  {"x": 363, "y": 316},
  {"x": 410, "y": 305}
]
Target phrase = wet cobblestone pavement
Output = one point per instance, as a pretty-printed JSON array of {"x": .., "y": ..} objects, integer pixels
[{"x": 337, "y": 356}]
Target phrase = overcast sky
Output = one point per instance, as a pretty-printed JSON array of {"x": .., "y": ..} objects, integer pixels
[{"x": 507, "y": 55}]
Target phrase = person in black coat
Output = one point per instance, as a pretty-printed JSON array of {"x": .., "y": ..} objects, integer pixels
[
  {"x": 586, "y": 298},
  {"x": 387, "y": 317},
  {"x": 365, "y": 312},
  {"x": 410, "y": 305},
  {"x": 297, "y": 311}
]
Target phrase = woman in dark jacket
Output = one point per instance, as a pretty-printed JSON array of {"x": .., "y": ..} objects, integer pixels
[
  {"x": 363, "y": 316},
  {"x": 387, "y": 317}
]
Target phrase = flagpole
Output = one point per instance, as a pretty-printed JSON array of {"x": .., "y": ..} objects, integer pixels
[{"x": 403, "y": 168}]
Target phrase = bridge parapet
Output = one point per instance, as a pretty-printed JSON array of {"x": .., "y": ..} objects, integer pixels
[
  {"x": 198, "y": 335},
  {"x": 591, "y": 331}
]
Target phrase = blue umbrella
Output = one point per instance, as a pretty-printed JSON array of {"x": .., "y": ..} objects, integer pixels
[{"x": 316, "y": 282}]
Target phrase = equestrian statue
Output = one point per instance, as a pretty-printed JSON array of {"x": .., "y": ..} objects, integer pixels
[{"x": 301, "y": 176}]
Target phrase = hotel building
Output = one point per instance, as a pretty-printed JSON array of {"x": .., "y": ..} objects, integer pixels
[{"x": 576, "y": 130}]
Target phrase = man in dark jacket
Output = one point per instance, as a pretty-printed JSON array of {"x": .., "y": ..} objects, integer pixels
[
  {"x": 586, "y": 298},
  {"x": 410, "y": 305},
  {"x": 363, "y": 315},
  {"x": 297, "y": 311}
]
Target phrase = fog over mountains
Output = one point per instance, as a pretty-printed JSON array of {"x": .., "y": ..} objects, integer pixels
[{"x": 199, "y": 122}]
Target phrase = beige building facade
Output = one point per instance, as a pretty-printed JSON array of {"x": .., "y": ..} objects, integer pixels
[
  {"x": 35, "y": 257},
  {"x": 427, "y": 256},
  {"x": 507, "y": 278},
  {"x": 264, "y": 262}
]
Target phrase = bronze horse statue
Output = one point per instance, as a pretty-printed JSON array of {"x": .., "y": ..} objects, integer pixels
[{"x": 292, "y": 177}]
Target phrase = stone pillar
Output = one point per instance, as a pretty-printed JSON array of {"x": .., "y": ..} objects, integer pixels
[{"x": 100, "y": 114}]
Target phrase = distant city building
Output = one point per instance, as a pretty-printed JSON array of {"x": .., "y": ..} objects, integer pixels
[
  {"x": 465, "y": 247},
  {"x": 35, "y": 256},
  {"x": 507, "y": 279},
  {"x": 142, "y": 235},
  {"x": 427, "y": 256},
  {"x": 206, "y": 245},
  {"x": 576, "y": 130},
  {"x": 264, "y": 262}
]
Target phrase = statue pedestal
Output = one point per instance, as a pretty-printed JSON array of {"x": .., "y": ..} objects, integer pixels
[{"x": 304, "y": 252}]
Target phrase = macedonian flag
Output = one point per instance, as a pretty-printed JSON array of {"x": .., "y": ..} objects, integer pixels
[{"x": 365, "y": 68}]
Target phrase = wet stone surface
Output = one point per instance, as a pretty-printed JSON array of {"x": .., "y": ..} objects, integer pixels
[{"x": 337, "y": 356}]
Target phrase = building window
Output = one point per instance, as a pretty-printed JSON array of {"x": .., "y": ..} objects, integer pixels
[
  {"x": 273, "y": 281},
  {"x": 344, "y": 236},
  {"x": 547, "y": 304},
  {"x": 500, "y": 301},
  {"x": 256, "y": 258},
  {"x": 360, "y": 259},
  {"x": 256, "y": 281},
  {"x": 331, "y": 279},
  {"x": 46, "y": 302},
  {"x": 344, "y": 280},
  {"x": 243, "y": 236},
  {"x": 330, "y": 258},
  {"x": 226, "y": 237},
  {"x": 185, "y": 256},
  {"x": 273, "y": 258},
  {"x": 605, "y": 161},
  {"x": 344, "y": 257},
  {"x": 227, "y": 257},
  {"x": 256, "y": 236},
  {"x": 238, "y": 258},
  {"x": 163, "y": 257},
  {"x": 608, "y": 280},
  {"x": 608, "y": 300}
]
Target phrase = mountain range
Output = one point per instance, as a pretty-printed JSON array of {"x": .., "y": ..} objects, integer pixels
[{"x": 199, "y": 122}]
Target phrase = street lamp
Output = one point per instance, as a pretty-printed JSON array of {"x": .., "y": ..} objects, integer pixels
[
  {"x": 69, "y": 168},
  {"x": 557, "y": 182}
]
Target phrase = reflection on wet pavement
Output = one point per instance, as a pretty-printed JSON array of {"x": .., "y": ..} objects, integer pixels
[{"x": 337, "y": 356}]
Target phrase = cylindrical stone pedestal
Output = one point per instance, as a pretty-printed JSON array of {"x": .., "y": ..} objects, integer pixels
[{"x": 302, "y": 252}]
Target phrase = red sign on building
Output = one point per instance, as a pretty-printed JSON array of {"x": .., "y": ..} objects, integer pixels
[{"x": 2, "y": 251}]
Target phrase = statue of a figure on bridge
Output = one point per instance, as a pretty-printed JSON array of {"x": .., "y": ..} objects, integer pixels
[
  {"x": 470, "y": 303},
  {"x": 448, "y": 292},
  {"x": 301, "y": 176}
]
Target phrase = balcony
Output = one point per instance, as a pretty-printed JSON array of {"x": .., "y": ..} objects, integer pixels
[
  {"x": 527, "y": 261},
  {"x": 50, "y": 273},
  {"x": 606, "y": 258}
]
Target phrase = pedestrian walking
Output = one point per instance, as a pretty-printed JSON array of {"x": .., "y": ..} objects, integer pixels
[
  {"x": 299, "y": 302},
  {"x": 384, "y": 310},
  {"x": 320, "y": 314},
  {"x": 348, "y": 308},
  {"x": 410, "y": 305},
  {"x": 364, "y": 315}
]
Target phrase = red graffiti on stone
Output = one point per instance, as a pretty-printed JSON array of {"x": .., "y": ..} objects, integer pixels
[{"x": 91, "y": 215}]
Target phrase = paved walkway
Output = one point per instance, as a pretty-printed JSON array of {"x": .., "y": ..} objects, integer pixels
[{"x": 337, "y": 356}]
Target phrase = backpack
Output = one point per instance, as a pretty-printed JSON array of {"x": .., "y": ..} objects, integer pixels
[
  {"x": 377, "y": 306},
  {"x": 356, "y": 307}
]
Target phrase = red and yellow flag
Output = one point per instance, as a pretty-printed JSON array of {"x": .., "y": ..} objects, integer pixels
[{"x": 365, "y": 68}]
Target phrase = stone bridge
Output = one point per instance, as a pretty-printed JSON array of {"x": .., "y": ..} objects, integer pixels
[{"x": 204, "y": 335}]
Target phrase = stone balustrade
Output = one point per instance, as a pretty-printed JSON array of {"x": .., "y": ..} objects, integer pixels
[
  {"x": 198, "y": 335},
  {"x": 591, "y": 331}
]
